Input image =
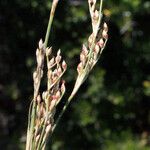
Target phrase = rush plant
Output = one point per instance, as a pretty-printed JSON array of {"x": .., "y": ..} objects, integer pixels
[{"x": 41, "y": 123}]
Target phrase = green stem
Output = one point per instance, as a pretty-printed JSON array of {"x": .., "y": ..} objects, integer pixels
[
  {"x": 32, "y": 124},
  {"x": 101, "y": 5},
  {"x": 42, "y": 135},
  {"x": 54, "y": 5}
]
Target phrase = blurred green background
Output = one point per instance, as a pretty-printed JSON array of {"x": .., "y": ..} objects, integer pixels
[{"x": 112, "y": 109}]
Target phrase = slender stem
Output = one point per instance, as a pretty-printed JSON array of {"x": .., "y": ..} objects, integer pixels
[
  {"x": 62, "y": 112},
  {"x": 33, "y": 123},
  {"x": 42, "y": 134},
  {"x": 101, "y": 5},
  {"x": 52, "y": 12},
  {"x": 28, "y": 129},
  {"x": 51, "y": 17}
]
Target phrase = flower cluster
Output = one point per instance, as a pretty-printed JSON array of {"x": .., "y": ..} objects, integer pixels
[
  {"x": 41, "y": 122},
  {"x": 44, "y": 106},
  {"x": 96, "y": 41}
]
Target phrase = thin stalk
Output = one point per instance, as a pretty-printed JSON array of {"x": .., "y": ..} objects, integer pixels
[
  {"x": 32, "y": 124},
  {"x": 62, "y": 112},
  {"x": 42, "y": 134},
  {"x": 52, "y": 12},
  {"x": 101, "y": 5},
  {"x": 28, "y": 129}
]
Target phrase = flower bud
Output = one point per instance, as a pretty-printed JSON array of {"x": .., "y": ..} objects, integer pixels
[
  {"x": 38, "y": 99},
  {"x": 41, "y": 44},
  {"x": 58, "y": 94},
  {"x": 101, "y": 43},
  {"x": 104, "y": 34},
  {"x": 50, "y": 63},
  {"x": 63, "y": 87},
  {"x": 90, "y": 39},
  {"x": 82, "y": 57},
  {"x": 54, "y": 73},
  {"x": 52, "y": 104},
  {"x": 34, "y": 75},
  {"x": 96, "y": 49},
  {"x": 80, "y": 67},
  {"x": 105, "y": 27},
  {"x": 64, "y": 65},
  {"x": 96, "y": 15},
  {"x": 54, "y": 97},
  {"x": 44, "y": 95},
  {"x": 58, "y": 59},
  {"x": 48, "y": 128},
  {"x": 59, "y": 71},
  {"x": 84, "y": 50},
  {"x": 59, "y": 52},
  {"x": 48, "y": 51},
  {"x": 40, "y": 60},
  {"x": 41, "y": 112},
  {"x": 37, "y": 52}
]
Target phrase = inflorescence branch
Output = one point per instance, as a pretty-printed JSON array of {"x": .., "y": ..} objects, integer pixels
[{"x": 41, "y": 123}]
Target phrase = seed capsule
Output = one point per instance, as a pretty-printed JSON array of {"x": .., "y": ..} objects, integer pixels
[
  {"x": 64, "y": 65},
  {"x": 101, "y": 43},
  {"x": 90, "y": 39},
  {"x": 52, "y": 104},
  {"x": 104, "y": 34},
  {"x": 48, "y": 128},
  {"x": 105, "y": 27},
  {"x": 97, "y": 48},
  {"x": 96, "y": 15},
  {"x": 80, "y": 67},
  {"x": 59, "y": 52},
  {"x": 58, "y": 59},
  {"x": 48, "y": 51},
  {"x": 59, "y": 71},
  {"x": 63, "y": 86},
  {"x": 84, "y": 50},
  {"x": 58, "y": 94},
  {"x": 82, "y": 57},
  {"x": 50, "y": 63},
  {"x": 41, "y": 44},
  {"x": 38, "y": 98},
  {"x": 34, "y": 75}
]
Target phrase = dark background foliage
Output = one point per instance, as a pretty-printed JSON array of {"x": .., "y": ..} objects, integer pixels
[{"x": 112, "y": 109}]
